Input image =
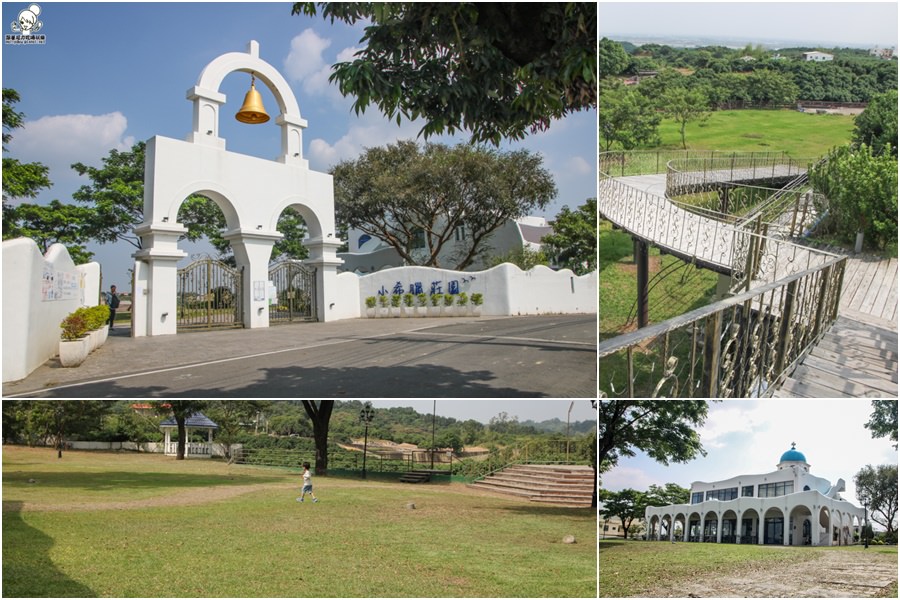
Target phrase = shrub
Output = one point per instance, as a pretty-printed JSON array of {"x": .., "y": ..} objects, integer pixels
[
  {"x": 395, "y": 300},
  {"x": 462, "y": 299},
  {"x": 436, "y": 299},
  {"x": 421, "y": 299},
  {"x": 370, "y": 302},
  {"x": 477, "y": 299},
  {"x": 383, "y": 301},
  {"x": 74, "y": 326},
  {"x": 448, "y": 300}
]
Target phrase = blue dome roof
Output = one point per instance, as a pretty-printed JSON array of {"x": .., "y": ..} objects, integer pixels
[{"x": 793, "y": 455}]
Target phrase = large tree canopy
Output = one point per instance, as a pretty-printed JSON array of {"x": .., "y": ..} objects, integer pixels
[
  {"x": 418, "y": 199},
  {"x": 877, "y": 487},
  {"x": 574, "y": 238},
  {"x": 665, "y": 430},
  {"x": 496, "y": 70},
  {"x": 883, "y": 420}
]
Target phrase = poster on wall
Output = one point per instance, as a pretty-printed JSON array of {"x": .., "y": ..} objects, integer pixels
[{"x": 59, "y": 285}]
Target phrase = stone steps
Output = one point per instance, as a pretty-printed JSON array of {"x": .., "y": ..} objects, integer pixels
[{"x": 550, "y": 484}]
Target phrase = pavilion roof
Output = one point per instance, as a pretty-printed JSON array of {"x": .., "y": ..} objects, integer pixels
[{"x": 196, "y": 421}]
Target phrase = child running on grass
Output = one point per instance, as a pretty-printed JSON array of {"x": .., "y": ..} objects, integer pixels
[{"x": 307, "y": 484}]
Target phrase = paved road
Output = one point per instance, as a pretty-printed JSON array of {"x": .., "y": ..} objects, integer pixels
[{"x": 539, "y": 356}]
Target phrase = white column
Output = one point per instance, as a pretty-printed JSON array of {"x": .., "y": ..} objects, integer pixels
[
  {"x": 161, "y": 254},
  {"x": 787, "y": 529},
  {"x": 719, "y": 529},
  {"x": 252, "y": 250},
  {"x": 702, "y": 525},
  {"x": 323, "y": 256}
]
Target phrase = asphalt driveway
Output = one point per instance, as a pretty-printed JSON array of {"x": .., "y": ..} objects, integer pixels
[{"x": 533, "y": 356}]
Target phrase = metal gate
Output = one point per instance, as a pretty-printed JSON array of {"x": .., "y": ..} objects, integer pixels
[
  {"x": 296, "y": 287},
  {"x": 209, "y": 295}
]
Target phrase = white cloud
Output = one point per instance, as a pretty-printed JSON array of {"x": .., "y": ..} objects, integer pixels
[
  {"x": 305, "y": 57},
  {"x": 306, "y": 64},
  {"x": 370, "y": 130},
  {"x": 58, "y": 141},
  {"x": 621, "y": 478}
]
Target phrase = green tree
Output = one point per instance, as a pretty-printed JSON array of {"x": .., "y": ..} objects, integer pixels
[
  {"x": 612, "y": 58},
  {"x": 525, "y": 258},
  {"x": 684, "y": 106},
  {"x": 883, "y": 420},
  {"x": 230, "y": 415},
  {"x": 671, "y": 493},
  {"x": 665, "y": 430},
  {"x": 319, "y": 412},
  {"x": 627, "y": 505},
  {"x": 574, "y": 238},
  {"x": 626, "y": 117},
  {"x": 419, "y": 199},
  {"x": 54, "y": 420},
  {"x": 54, "y": 223},
  {"x": 861, "y": 188},
  {"x": 876, "y": 126},
  {"x": 877, "y": 487},
  {"x": 496, "y": 70},
  {"x": 20, "y": 180}
]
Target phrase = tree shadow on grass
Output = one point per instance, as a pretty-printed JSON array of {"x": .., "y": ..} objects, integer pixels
[
  {"x": 28, "y": 571},
  {"x": 547, "y": 511},
  {"x": 608, "y": 543}
]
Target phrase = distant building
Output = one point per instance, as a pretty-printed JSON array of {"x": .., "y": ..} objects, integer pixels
[
  {"x": 882, "y": 53},
  {"x": 747, "y": 58},
  {"x": 817, "y": 56}
]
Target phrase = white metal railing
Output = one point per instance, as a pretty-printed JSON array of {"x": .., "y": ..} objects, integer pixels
[{"x": 190, "y": 448}]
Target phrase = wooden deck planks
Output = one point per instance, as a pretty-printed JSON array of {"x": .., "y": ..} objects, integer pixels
[{"x": 857, "y": 358}]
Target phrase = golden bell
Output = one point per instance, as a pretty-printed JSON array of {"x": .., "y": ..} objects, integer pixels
[{"x": 252, "y": 111}]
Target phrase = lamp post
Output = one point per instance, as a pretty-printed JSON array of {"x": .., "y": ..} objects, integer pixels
[
  {"x": 433, "y": 412},
  {"x": 866, "y": 526},
  {"x": 568, "y": 419},
  {"x": 365, "y": 416}
]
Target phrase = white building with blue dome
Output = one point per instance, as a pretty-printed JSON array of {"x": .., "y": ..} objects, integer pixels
[{"x": 788, "y": 506}]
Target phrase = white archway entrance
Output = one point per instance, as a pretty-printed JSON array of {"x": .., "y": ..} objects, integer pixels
[{"x": 252, "y": 192}]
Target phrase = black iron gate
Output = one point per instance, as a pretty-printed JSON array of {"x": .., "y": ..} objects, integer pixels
[
  {"x": 296, "y": 287},
  {"x": 209, "y": 295}
]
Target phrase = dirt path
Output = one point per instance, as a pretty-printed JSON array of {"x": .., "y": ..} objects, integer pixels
[
  {"x": 831, "y": 574},
  {"x": 185, "y": 497}
]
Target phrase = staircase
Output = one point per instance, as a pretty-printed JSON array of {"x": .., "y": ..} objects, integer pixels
[
  {"x": 416, "y": 477},
  {"x": 562, "y": 485}
]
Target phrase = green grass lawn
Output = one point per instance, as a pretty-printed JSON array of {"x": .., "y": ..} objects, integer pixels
[
  {"x": 629, "y": 568},
  {"x": 799, "y": 134},
  {"x": 127, "y": 525}
]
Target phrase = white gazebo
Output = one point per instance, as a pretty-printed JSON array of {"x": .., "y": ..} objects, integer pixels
[{"x": 197, "y": 421}]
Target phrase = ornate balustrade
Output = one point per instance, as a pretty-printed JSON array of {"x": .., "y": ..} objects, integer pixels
[
  {"x": 738, "y": 347},
  {"x": 743, "y": 346}
]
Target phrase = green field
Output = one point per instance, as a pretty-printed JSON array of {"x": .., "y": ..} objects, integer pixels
[
  {"x": 802, "y": 135},
  {"x": 128, "y": 525},
  {"x": 630, "y": 568}
]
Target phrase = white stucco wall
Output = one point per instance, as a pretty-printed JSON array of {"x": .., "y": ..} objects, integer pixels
[
  {"x": 33, "y": 310},
  {"x": 507, "y": 290}
]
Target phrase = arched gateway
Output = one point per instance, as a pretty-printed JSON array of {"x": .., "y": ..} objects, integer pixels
[
  {"x": 251, "y": 192},
  {"x": 788, "y": 506}
]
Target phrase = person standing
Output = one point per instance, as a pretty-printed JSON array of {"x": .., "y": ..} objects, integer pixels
[
  {"x": 307, "y": 484},
  {"x": 113, "y": 301}
]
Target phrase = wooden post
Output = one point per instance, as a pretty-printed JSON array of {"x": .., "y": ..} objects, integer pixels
[{"x": 642, "y": 258}]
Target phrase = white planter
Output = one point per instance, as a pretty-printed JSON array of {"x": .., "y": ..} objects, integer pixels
[
  {"x": 104, "y": 333},
  {"x": 72, "y": 354}
]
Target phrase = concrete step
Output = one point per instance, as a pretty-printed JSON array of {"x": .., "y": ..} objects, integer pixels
[{"x": 560, "y": 485}]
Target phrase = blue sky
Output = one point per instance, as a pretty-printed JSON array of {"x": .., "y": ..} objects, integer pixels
[
  {"x": 822, "y": 22},
  {"x": 749, "y": 437},
  {"x": 112, "y": 74}
]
